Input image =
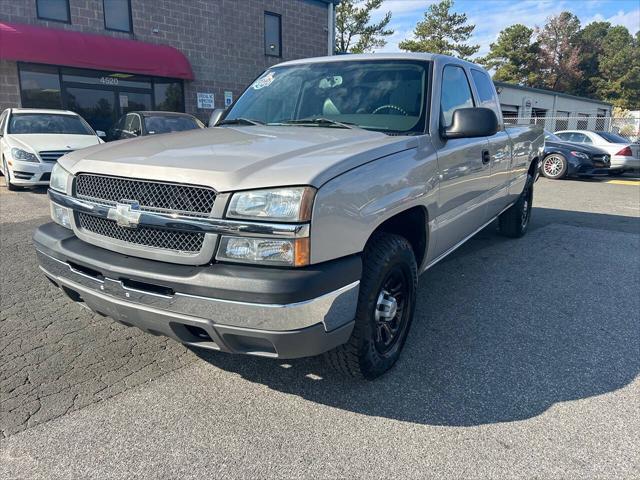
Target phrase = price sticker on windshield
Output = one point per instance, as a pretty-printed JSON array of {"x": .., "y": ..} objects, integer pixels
[{"x": 264, "y": 81}]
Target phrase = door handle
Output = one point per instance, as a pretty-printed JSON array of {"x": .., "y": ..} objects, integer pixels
[{"x": 486, "y": 157}]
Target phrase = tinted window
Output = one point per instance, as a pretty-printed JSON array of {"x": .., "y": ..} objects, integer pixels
[
  {"x": 484, "y": 86},
  {"x": 168, "y": 96},
  {"x": 164, "y": 124},
  {"x": 387, "y": 96},
  {"x": 48, "y": 123},
  {"x": 613, "y": 138},
  {"x": 566, "y": 136},
  {"x": 272, "y": 34},
  {"x": 455, "y": 94},
  {"x": 117, "y": 15},
  {"x": 580, "y": 138},
  {"x": 53, "y": 10},
  {"x": 40, "y": 87}
]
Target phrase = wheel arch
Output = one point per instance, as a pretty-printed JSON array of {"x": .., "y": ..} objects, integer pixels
[{"x": 412, "y": 224}]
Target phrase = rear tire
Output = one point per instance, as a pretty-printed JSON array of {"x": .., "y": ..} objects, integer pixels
[
  {"x": 385, "y": 309},
  {"x": 514, "y": 222},
  {"x": 554, "y": 166}
]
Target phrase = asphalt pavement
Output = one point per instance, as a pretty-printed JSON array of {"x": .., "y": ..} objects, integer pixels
[{"x": 522, "y": 362}]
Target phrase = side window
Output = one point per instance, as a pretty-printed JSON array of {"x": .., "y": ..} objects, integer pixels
[
  {"x": 484, "y": 86},
  {"x": 455, "y": 93},
  {"x": 583, "y": 138},
  {"x": 3, "y": 117},
  {"x": 566, "y": 136},
  {"x": 128, "y": 123},
  {"x": 135, "y": 125}
]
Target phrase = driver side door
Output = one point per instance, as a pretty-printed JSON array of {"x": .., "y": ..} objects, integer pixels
[{"x": 464, "y": 165}]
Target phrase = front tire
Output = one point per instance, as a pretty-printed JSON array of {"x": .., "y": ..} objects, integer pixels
[
  {"x": 514, "y": 222},
  {"x": 385, "y": 309},
  {"x": 554, "y": 166}
]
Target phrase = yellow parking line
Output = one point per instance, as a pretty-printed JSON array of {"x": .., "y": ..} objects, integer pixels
[{"x": 624, "y": 182}]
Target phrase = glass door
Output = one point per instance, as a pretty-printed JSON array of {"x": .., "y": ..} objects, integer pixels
[{"x": 96, "y": 106}]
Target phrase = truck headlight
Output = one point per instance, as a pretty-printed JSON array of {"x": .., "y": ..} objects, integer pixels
[
  {"x": 23, "y": 155},
  {"x": 265, "y": 251},
  {"x": 59, "y": 179},
  {"x": 60, "y": 215},
  {"x": 290, "y": 204}
]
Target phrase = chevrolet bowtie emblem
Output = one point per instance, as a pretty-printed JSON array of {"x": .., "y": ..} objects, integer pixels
[{"x": 125, "y": 214}]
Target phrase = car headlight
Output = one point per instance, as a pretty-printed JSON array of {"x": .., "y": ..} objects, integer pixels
[
  {"x": 584, "y": 156},
  {"x": 265, "y": 251},
  {"x": 23, "y": 155},
  {"x": 59, "y": 179},
  {"x": 290, "y": 204}
]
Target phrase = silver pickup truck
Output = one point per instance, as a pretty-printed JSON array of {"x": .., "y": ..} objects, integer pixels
[{"x": 299, "y": 224}]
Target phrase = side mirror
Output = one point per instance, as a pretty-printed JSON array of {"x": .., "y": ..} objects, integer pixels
[
  {"x": 215, "y": 117},
  {"x": 101, "y": 134},
  {"x": 471, "y": 123}
]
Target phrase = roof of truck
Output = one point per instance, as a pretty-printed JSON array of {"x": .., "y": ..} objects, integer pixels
[
  {"x": 43, "y": 110},
  {"x": 350, "y": 57}
]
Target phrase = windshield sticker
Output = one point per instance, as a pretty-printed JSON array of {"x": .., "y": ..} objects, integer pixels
[{"x": 264, "y": 81}]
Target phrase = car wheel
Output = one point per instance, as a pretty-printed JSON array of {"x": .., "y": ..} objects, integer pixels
[
  {"x": 514, "y": 222},
  {"x": 7, "y": 177},
  {"x": 385, "y": 309},
  {"x": 554, "y": 166}
]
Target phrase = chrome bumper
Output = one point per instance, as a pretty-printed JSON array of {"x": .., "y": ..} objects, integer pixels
[{"x": 276, "y": 330}]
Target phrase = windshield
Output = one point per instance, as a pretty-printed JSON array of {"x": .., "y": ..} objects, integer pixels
[
  {"x": 551, "y": 137},
  {"x": 613, "y": 138},
  {"x": 48, "y": 123},
  {"x": 170, "y": 123},
  {"x": 387, "y": 96}
]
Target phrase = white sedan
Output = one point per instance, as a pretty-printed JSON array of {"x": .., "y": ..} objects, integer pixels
[
  {"x": 625, "y": 155},
  {"x": 32, "y": 140}
]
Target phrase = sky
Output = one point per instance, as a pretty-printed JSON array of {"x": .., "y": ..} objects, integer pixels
[{"x": 491, "y": 16}]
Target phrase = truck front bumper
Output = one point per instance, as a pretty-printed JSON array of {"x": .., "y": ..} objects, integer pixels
[{"x": 283, "y": 313}]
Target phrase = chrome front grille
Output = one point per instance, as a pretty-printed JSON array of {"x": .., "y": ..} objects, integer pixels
[
  {"x": 52, "y": 155},
  {"x": 187, "y": 242},
  {"x": 160, "y": 197}
]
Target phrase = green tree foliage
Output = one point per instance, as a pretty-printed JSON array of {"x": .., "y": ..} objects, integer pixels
[
  {"x": 442, "y": 31},
  {"x": 560, "y": 52},
  {"x": 354, "y": 32},
  {"x": 589, "y": 40},
  {"x": 514, "y": 57},
  {"x": 618, "y": 79}
]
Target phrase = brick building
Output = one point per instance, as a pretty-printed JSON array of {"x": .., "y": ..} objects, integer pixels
[{"x": 102, "y": 58}]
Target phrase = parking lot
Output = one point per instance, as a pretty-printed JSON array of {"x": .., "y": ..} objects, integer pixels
[{"x": 522, "y": 361}]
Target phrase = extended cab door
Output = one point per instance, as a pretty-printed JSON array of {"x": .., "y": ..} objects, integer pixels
[
  {"x": 463, "y": 164},
  {"x": 499, "y": 146}
]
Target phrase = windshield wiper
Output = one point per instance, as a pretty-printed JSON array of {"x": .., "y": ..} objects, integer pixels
[
  {"x": 241, "y": 121},
  {"x": 319, "y": 121}
]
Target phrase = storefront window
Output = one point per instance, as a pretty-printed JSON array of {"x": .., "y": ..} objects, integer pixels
[
  {"x": 99, "y": 97},
  {"x": 169, "y": 96},
  {"x": 40, "y": 86}
]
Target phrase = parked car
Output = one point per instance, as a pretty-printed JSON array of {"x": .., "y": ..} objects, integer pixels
[
  {"x": 298, "y": 225},
  {"x": 625, "y": 155},
  {"x": 32, "y": 140},
  {"x": 562, "y": 159},
  {"x": 141, "y": 123}
]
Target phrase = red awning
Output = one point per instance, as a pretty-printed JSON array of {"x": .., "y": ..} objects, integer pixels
[{"x": 29, "y": 43}]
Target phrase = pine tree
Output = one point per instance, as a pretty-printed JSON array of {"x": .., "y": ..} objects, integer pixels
[
  {"x": 514, "y": 57},
  {"x": 354, "y": 33},
  {"x": 442, "y": 32}
]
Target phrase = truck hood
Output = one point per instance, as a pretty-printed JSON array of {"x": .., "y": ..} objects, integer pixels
[
  {"x": 240, "y": 158},
  {"x": 52, "y": 141}
]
